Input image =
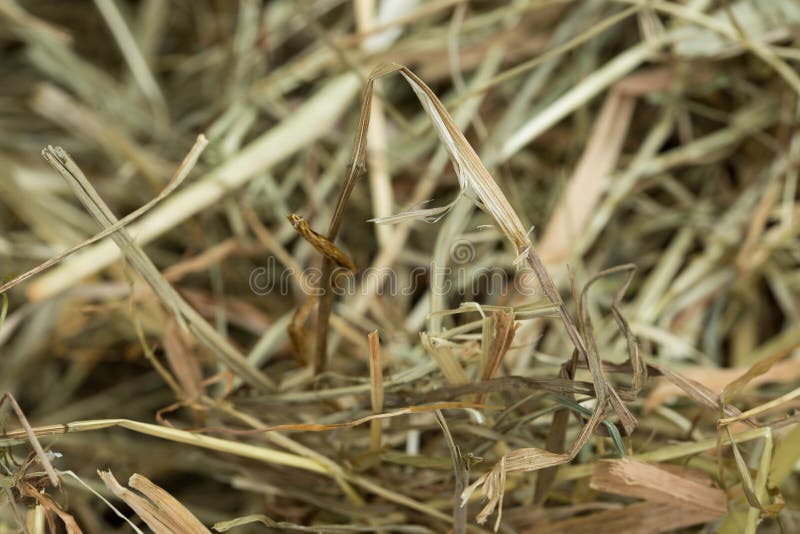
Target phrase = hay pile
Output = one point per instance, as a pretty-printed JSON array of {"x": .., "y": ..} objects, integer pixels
[{"x": 540, "y": 273}]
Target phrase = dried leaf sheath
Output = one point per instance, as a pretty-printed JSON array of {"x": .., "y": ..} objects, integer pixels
[{"x": 323, "y": 245}]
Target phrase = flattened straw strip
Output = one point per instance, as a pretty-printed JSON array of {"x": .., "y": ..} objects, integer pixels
[{"x": 651, "y": 482}]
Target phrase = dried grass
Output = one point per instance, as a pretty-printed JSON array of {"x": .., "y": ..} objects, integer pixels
[{"x": 623, "y": 185}]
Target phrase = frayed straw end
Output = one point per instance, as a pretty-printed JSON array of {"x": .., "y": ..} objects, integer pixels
[{"x": 428, "y": 215}]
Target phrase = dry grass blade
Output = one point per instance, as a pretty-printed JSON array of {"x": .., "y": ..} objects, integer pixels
[
  {"x": 224, "y": 526},
  {"x": 130, "y": 51},
  {"x": 755, "y": 491},
  {"x": 472, "y": 174},
  {"x": 758, "y": 410},
  {"x": 695, "y": 390},
  {"x": 244, "y": 450},
  {"x": 517, "y": 384}
]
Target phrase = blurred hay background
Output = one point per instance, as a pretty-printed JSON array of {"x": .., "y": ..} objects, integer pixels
[{"x": 657, "y": 133}]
